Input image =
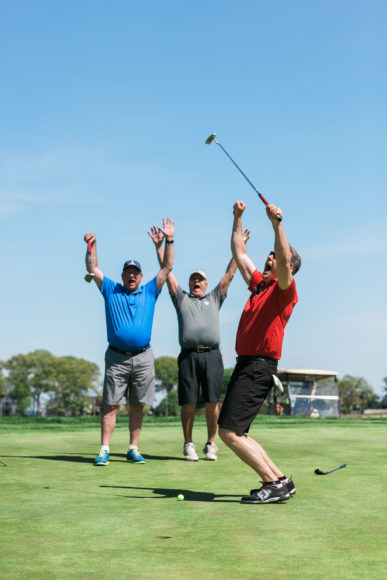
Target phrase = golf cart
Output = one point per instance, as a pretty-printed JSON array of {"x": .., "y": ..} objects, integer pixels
[{"x": 313, "y": 393}]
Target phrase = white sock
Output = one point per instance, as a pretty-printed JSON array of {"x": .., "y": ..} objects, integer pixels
[
  {"x": 105, "y": 448},
  {"x": 132, "y": 447}
]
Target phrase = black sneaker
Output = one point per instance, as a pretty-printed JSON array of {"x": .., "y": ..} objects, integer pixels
[
  {"x": 290, "y": 485},
  {"x": 288, "y": 481},
  {"x": 268, "y": 493}
]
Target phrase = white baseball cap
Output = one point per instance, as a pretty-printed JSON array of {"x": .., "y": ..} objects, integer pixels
[{"x": 200, "y": 272}]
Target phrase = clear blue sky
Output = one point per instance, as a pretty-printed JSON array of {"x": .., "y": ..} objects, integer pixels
[{"x": 105, "y": 107}]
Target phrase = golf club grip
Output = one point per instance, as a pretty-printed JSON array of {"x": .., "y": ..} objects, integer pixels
[
  {"x": 89, "y": 247},
  {"x": 279, "y": 218}
]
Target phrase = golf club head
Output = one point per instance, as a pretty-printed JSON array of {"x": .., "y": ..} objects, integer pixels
[
  {"x": 319, "y": 472},
  {"x": 211, "y": 138},
  {"x": 89, "y": 277}
]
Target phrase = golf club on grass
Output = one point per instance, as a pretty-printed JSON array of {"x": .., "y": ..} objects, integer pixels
[
  {"x": 320, "y": 472},
  {"x": 212, "y": 138},
  {"x": 89, "y": 276}
]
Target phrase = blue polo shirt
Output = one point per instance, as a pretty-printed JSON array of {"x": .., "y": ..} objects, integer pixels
[{"x": 129, "y": 315}]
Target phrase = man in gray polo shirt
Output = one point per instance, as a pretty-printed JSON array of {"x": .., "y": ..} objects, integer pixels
[{"x": 200, "y": 361}]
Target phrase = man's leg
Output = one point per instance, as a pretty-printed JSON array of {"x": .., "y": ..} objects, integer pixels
[
  {"x": 108, "y": 423},
  {"x": 187, "y": 421},
  {"x": 252, "y": 453},
  {"x": 136, "y": 414},
  {"x": 212, "y": 416}
]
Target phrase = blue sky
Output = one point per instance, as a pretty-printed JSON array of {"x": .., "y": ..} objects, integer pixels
[{"x": 105, "y": 107}]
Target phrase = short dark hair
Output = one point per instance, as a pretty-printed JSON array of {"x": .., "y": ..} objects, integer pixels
[{"x": 295, "y": 261}]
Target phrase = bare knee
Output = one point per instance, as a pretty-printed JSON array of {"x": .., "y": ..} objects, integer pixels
[
  {"x": 228, "y": 436},
  {"x": 109, "y": 409}
]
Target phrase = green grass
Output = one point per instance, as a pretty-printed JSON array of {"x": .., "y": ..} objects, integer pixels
[{"x": 61, "y": 517}]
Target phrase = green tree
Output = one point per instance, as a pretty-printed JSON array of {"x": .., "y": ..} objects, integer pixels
[
  {"x": 226, "y": 379},
  {"x": 355, "y": 394},
  {"x": 28, "y": 378},
  {"x": 40, "y": 367},
  {"x": 74, "y": 379},
  {"x": 166, "y": 372},
  {"x": 3, "y": 381},
  {"x": 383, "y": 401},
  {"x": 169, "y": 407}
]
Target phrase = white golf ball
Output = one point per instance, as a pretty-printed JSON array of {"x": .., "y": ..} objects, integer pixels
[{"x": 180, "y": 497}]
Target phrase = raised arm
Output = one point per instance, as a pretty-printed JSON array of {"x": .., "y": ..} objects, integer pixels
[
  {"x": 168, "y": 231},
  {"x": 157, "y": 237},
  {"x": 92, "y": 265},
  {"x": 238, "y": 246},
  {"x": 282, "y": 251},
  {"x": 231, "y": 269}
]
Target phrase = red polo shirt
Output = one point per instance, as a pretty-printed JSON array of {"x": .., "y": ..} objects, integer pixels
[{"x": 263, "y": 320}]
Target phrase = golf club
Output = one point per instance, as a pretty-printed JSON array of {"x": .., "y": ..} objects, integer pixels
[
  {"x": 212, "y": 138},
  {"x": 320, "y": 472},
  {"x": 89, "y": 276}
]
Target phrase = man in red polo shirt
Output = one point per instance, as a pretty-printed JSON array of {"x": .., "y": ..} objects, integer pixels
[{"x": 259, "y": 345}]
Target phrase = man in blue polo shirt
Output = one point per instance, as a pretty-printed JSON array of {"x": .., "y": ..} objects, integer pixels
[{"x": 129, "y": 360}]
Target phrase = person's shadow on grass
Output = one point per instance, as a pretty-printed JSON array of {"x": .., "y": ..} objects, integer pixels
[
  {"x": 165, "y": 493},
  {"x": 80, "y": 458}
]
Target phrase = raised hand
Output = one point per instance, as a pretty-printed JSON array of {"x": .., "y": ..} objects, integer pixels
[
  {"x": 246, "y": 235},
  {"x": 239, "y": 208},
  {"x": 272, "y": 213},
  {"x": 168, "y": 228},
  {"x": 89, "y": 238},
  {"x": 156, "y": 236}
]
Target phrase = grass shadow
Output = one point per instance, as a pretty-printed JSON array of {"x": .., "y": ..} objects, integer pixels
[{"x": 189, "y": 495}]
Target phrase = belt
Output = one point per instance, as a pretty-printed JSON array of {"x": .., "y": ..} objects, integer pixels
[
  {"x": 257, "y": 357},
  {"x": 130, "y": 352},
  {"x": 201, "y": 348}
]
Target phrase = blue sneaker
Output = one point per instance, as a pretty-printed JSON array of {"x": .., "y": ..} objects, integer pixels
[
  {"x": 102, "y": 458},
  {"x": 133, "y": 456}
]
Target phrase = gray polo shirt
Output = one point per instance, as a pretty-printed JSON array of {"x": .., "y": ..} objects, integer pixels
[{"x": 198, "y": 318}]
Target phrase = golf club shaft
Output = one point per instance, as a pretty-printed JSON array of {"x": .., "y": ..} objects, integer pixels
[
  {"x": 336, "y": 468},
  {"x": 247, "y": 179}
]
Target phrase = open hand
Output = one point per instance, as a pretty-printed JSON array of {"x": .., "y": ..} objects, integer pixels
[
  {"x": 168, "y": 228},
  {"x": 156, "y": 236}
]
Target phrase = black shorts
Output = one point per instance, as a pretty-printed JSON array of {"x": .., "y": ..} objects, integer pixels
[
  {"x": 197, "y": 369},
  {"x": 248, "y": 388}
]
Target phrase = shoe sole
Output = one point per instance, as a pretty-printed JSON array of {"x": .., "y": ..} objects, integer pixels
[
  {"x": 100, "y": 464},
  {"x": 139, "y": 462},
  {"x": 211, "y": 458},
  {"x": 191, "y": 459},
  {"x": 272, "y": 500}
]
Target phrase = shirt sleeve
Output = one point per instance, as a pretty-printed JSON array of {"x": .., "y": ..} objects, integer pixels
[
  {"x": 107, "y": 286},
  {"x": 288, "y": 296},
  {"x": 178, "y": 297},
  {"x": 151, "y": 288},
  {"x": 216, "y": 295},
  {"x": 256, "y": 278}
]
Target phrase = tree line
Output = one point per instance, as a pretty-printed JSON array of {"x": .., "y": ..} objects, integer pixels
[
  {"x": 69, "y": 386},
  {"x": 65, "y": 382}
]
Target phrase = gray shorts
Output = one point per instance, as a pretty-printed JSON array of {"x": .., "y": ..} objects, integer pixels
[{"x": 129, "y": 379}]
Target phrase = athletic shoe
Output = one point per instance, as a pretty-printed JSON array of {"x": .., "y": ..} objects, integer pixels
[
  {"x": 102, "y": 458},
  {"x": 133, "y": 456},
  {"x": 210, "y": 450},
  {"x": 268, "y": 493},
  {"x": 290, "y": 485},
  {"x": 288, "y": 481},
  {"x": 189, "y": 452}
]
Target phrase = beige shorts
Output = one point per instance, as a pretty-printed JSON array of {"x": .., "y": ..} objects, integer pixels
[{"x": 129, "y": 379}]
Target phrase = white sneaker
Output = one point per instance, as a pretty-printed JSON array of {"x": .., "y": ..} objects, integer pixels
[
  {"x": 189, "y": 452},
  {"x": 210, "y": 450}
]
